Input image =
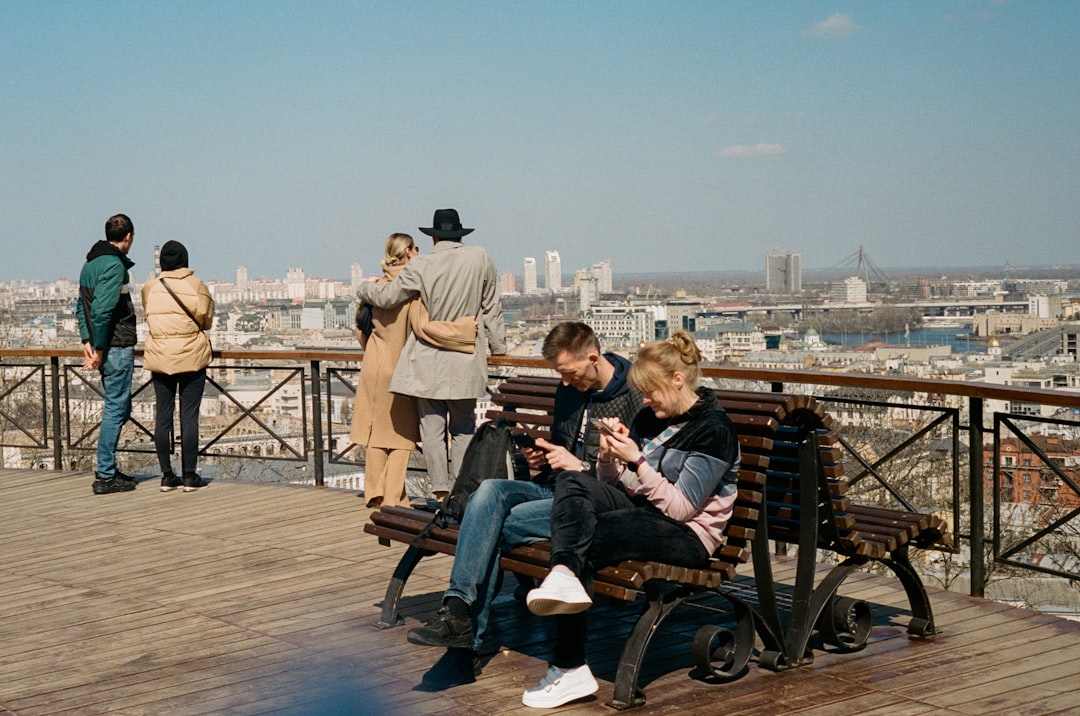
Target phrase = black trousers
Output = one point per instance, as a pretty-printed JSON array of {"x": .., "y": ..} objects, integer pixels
[
  {"x": 190, "y": 387},
  {"x": 595, "y": 525}
]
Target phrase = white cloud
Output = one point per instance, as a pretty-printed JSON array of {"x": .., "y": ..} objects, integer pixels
[
  {"x": 839, "y": 25},
  {"x": 749, "y": 151}
]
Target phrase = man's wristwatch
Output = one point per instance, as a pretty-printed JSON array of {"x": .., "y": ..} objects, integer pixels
[
  {"x": 585, "y": 466},
  {"x": 633, "y": 466}
]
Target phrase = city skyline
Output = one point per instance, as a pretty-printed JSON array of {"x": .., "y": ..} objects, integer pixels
[{"x": 271, "y": 135}]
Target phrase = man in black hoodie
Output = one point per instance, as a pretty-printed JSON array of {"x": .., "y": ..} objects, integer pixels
[
  {"x": 107, "y": 326},
  {"x": 508, "y": 513}
]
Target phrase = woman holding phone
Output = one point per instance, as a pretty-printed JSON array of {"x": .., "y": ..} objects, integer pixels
[{"x": 665, "y": 491}]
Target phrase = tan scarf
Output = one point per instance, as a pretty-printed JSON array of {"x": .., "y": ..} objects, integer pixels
[{"x": 458, "y": 335}]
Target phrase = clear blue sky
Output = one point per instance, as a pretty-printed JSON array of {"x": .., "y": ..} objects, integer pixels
[{"x": 664, "y": 136}]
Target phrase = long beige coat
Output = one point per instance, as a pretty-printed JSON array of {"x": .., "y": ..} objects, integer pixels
[
  {"x": 453, "y": 281},
  {"x": 175, "y": 343},
  {"x": 380, "y": 418}
]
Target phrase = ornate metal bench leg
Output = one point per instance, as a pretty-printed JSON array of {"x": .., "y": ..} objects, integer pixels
[
  {"x": 627, "y": 695},
  {"x": 922, "y": 616},
  {"x": 405, "y": 567},
  {"x": 727, "y": 660},
  {"x": 846, "y": 624}
]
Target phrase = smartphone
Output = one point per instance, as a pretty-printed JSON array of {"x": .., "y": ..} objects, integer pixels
[
  {"x": 523, "y": 440},
  {"x": 602, "y": 427}
]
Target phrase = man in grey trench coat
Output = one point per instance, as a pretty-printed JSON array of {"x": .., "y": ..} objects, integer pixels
[{"x": 454, "y": 280}]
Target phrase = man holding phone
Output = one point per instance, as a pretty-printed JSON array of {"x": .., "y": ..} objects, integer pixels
[{"x": 508, "y": 513}]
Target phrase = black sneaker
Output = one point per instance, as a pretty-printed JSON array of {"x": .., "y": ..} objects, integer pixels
[
  {"x": 105, "y": 487},
  {"x": 444, "y": 630},
  {"x": 125, "y": 478},
  {"x": 169, "y": 482},
  {"x": 193, "y": 482}
]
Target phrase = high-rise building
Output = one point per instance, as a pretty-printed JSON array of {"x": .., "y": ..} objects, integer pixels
[
  {"x": 242, "y": 283},
  {"x": 587, "y": 284},
  {"x": 157, "y": 261},
  {"x": 552, "y": 271},
  {"x": 294, "y": 281},
  {"x": 851, "y": 290},
  {"x": 356, "y": 276},
  {"x": 508, "y": 284},
  {"x": 783, "y": 273},
  {"x": 602, "y": 271},
  {"x": 530, "y": 284}
]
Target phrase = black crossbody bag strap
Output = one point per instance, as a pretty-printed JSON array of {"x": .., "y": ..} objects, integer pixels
[{"x": 181, "y": 303}]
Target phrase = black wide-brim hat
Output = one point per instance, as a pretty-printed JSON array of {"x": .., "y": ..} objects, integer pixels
[{"x": 446, "y": 225}]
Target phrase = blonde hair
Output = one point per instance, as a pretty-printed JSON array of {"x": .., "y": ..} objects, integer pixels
[
  {"x": 658, "y": 361},
  {"x": 397, "y": 246}
]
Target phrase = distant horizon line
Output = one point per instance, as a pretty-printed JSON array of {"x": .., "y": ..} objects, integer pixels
[{"x": 836, "y": 270}]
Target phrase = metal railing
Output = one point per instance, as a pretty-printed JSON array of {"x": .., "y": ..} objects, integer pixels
[{"x": 912, "y": 456}]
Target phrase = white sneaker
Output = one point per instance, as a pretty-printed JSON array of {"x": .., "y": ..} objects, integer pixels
[
  {"x": 559, "y": 593},
  {"x": 560, "y": 687}
]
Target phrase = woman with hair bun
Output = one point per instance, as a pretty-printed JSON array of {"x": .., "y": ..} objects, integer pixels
[{"x": 664, "y": 491}]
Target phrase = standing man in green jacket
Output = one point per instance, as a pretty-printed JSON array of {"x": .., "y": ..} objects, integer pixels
[{"x": 107, "y": 326}]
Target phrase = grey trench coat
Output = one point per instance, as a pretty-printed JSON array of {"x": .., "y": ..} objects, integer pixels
[{"x": 453, "y": 281}]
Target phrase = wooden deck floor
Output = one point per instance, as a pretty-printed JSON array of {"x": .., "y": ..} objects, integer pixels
[{"x": 257, "y": 599}]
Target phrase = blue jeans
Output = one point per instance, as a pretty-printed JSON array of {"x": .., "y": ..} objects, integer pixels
[
  {"x": 500, "y": 513},
  {"x": 117, "y": 368}
]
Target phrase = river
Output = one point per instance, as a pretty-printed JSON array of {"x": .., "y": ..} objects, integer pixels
[{"x": 960, "y": 339}]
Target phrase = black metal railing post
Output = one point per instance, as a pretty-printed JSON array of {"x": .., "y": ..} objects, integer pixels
[
  {"x": 316, "y": 422},
  {"x": 58, "y": 444},
  {"x": 976, "y": 481}
]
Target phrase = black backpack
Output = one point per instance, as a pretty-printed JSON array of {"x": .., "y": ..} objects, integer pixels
[{"x": 492, "y": 447}]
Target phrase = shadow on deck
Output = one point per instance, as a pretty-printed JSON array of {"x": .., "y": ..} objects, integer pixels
[{"x": 259, "y": 599}]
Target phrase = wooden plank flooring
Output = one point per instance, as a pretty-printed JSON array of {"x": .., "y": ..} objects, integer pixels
[{"x": 259, "y": 599}]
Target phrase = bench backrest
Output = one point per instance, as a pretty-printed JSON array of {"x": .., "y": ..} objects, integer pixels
[
  {"x": 529, "y": 400},
  {"x": 771, "y": 428}
]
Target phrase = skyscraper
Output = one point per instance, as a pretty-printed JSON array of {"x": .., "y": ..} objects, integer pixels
[
  {"x": 783, "y": 273},
  {"x": 602, "y": 271},
  {"x": 242, "y": 279},
  {"x": 552, "y": 271},
  {"x": 530, "y": 284},
  {"x": 356, "y": 275},
  {"x": 294, "y": 282}
]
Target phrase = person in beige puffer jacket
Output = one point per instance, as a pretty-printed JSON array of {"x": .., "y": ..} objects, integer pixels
[{"x": 177, "y": 353}]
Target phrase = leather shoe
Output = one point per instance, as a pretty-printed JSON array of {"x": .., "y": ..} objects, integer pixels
[{"x": 444, "y": 630}]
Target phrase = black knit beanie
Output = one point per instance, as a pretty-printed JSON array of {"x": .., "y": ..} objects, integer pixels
[{"x": 173, "y": 256}]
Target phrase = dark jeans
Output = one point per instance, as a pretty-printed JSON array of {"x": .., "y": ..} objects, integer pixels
[
  {"x": 595, "y": 525},
  {"x": 190, "y": 386}
]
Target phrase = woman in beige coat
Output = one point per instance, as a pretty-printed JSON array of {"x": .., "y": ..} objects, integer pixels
[
  {"x": 387, "y": 423},
  {"x": 178, "y": 309}
]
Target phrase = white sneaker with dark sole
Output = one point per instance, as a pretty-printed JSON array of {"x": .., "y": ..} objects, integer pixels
[
  {"x": 560, "y": 687},
  {"x": 559, "y": 593}
]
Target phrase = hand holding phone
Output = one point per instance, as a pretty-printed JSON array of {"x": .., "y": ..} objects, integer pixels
[
  {"x": 523, "y": 440},
  {"x": 602, "y": 427}
]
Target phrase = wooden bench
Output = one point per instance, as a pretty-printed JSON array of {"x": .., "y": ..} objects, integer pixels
[
  {"x": 787, "y": 441},
  {"x": 528, "y": 403}
]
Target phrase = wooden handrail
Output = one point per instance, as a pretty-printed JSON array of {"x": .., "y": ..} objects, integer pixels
[{"x": 966, "y": 389}]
